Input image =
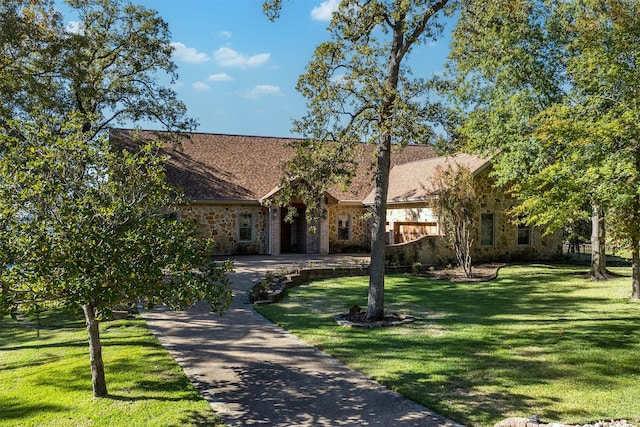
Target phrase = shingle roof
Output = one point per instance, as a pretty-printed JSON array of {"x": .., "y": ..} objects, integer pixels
[
  {"x": 235, "y": 167},
  {"x": 413, "y": 181}
]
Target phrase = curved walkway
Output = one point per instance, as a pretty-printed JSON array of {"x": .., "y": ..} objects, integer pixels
[{"x": 256, "y": 374}]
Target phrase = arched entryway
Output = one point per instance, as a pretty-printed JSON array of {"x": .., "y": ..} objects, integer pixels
[
  {"x": 297, "y": 236},
  {"x": 293, "y": 235}
]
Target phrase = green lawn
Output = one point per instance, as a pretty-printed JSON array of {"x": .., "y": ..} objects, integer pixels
[
  {"x": 46, "y": 380},
  {"x": 539, "y": 339}
]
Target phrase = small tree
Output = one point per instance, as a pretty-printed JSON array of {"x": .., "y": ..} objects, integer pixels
[
  {"x": 455, "y": 204},
  {"x": 88, "y": 226}
]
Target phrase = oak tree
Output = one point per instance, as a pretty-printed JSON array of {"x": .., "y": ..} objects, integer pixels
[
  {"x": 551, "y": 88},
  {"x": 359, "y": 88},
  {"x": 107, "y": 68}
]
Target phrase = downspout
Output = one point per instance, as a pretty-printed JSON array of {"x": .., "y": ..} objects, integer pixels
[{"x": 271, "y": 213}]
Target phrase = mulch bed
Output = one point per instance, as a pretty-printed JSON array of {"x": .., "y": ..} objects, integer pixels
[
  {"x": 479, "y": 273},
  {"x": 358, "y": 319}
]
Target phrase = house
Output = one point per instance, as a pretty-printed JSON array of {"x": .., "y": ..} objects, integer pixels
[
  {"x": 412, "y": 218},
  {"x": 229, "y": 180}
]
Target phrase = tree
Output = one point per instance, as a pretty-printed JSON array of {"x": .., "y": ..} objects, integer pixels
[
  {"x": 455, "y": 204},
  {"x": 510, "y": 62},
  {"x": 81, "y": 222},
  {"x": 360, "y": 89},
  {"x": 562, "y": 96},
  {"x": 605, "y": 45},
  {"x": 26, "y": 33},
  {"x": 107, "y": 68},
  {"x": 87, "y": 225}
]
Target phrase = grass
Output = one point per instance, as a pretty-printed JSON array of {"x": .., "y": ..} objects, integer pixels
[
  {"x": 45, "y": 380},
  {"x": 539, "y": 339}
]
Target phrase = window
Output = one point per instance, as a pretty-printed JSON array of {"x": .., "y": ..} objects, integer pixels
[
  {"x": 486, "y": 229},
  {"x": 245, "y": 227},
  {"x": 524, "y": 235},
  {"x": 344, "y": 228}
]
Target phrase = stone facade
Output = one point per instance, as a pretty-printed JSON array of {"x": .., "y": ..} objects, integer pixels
[
  {"x": 359, "y": 229},
  {"x": 505, "y": 245},
  {"x": 220, "y": 222}
]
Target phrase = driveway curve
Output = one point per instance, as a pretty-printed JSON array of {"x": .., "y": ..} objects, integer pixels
[{"x": 254, "y": 373}]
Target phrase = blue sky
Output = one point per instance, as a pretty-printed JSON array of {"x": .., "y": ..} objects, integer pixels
[{"x": 238, "y": 70}]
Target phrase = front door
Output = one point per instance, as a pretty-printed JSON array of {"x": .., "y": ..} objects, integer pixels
[{"x": 293, "y": 235}]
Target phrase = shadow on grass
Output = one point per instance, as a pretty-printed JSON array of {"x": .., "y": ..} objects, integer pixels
[
  {"x": 81, "y": 343},
  {"x": 199, "y": 419},
  {"x": 17, "y": 409},
  {"x": 160, "y": 398},
  {"x": 491, "y": 340}
]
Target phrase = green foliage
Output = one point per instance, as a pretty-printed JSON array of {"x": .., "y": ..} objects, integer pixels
[
  {"x": 81, "y": 222},
  {"x": 44, "y": 378},
  {"x": 84, "y": 223},
  {"x": 551, "y": 90},
  {"x": 107, "y": 70},
  {"x": 481, "y": 352},
  {"x": 455, "y": 204},
  {"x": 509, "y": 65}
]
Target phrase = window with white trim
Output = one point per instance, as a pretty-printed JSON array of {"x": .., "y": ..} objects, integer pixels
[
  {"x": 524, "y": 235},
  {"x": 245, "y": 227},
  {"x": 344, "y": 227}
]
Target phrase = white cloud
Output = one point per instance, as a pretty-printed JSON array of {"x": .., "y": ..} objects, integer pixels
[
  {"x": 225, "y": 34},
  {"x": 188, "y": 54},
  {"x": 263, "y": 90},
  {"x": 220, "y": 77},
  {"x": 75, "y": 27},
  {"x": 230, "y": 58},
  {"x": 325, "y": 10},
  {"x": 338, "y": 78},
  {"x": 200, "y": 87}
]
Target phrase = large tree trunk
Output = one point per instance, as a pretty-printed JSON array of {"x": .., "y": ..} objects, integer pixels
[
  {"x": 95, "y": 352},
  {"x": 635, "y": 244},
  {"x": 598, "y": 269},
  {"x": 635, "y": 266},
  {"x": 375, "y": 303}
]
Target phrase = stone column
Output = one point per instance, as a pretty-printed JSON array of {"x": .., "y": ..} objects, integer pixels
[
  {"x": 274, "y": 230},
  {"x": 323, "y": 228}
]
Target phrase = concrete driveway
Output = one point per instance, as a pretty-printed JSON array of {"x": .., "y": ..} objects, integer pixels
[{"x": 256, "y": 374}]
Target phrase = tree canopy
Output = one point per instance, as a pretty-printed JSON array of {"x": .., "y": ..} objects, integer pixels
[
  {"x": 108, "y": 68},
  {"x": 550, "y": 88}
]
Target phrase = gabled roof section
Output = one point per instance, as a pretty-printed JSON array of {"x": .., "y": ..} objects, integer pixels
[
  {"x": 220, "y": 167},
  {"x": 210, "y": 167},
  {"x": 412, "y": 181}
]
